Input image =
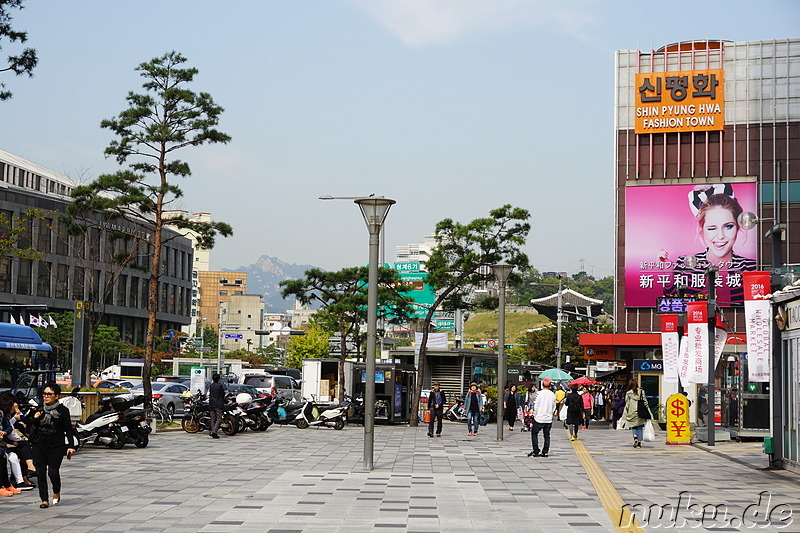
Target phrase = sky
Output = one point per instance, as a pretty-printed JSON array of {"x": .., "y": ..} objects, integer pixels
[{"x": 450, "y": 107}]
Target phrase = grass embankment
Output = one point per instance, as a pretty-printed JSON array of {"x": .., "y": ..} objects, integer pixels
[{"x": 483, "y": 326}]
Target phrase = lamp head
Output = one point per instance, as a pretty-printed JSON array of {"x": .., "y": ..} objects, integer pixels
[
  {"x": 502, "y": 271},
  {"x": 374, "y": 209}
]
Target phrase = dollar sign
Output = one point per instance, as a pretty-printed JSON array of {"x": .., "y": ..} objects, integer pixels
[{"x": 677, "y": 408}]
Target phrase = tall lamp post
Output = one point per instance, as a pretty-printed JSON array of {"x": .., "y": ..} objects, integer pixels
[
  {"x": 374, "y": 209},
  {"x": 501, "y": 272},
  {"x": 559, "y": 321}
]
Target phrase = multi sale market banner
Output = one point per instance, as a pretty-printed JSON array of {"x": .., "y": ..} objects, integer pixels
[
  {"x": 757, "y": 324},
  {"x": 669, "y": 347},
  {"x": 697, "y": 330}
]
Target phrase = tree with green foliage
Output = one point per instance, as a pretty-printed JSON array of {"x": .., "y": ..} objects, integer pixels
[
  {"x": 16, "y": 234},
  {"x": 166, "y": 118},
  {"x": 460, "y": 261},
  {"x": 313, "y": 345},
  {"x": 343, "y": 295},
  {"x": 26, "y": 61}
]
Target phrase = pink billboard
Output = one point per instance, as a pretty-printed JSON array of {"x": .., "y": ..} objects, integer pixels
[{"x": 673, "y": 233}]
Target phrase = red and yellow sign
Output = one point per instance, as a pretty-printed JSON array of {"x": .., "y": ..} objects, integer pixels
[
  {"x": 678, "y": 420},
  {"x": 681, "y": 100}
]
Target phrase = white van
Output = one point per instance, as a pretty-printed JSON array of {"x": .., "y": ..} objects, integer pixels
[{"x": 285, "y": 386}]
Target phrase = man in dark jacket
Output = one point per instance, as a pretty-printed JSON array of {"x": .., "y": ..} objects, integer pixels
[
  {"x": 216, "y": 401},
  {"x": 436, "y": 400}
]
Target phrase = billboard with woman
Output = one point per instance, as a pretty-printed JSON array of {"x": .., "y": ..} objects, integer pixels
[{"x": 673, "y": 233}]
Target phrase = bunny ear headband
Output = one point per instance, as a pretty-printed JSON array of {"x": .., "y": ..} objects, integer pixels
[{"x": 698, "y": 197}]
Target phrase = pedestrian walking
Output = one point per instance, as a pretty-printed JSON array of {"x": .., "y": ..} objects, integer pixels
[
  {"x": 588, "y": 405},
  {"x": 574, "y": 403},
  {"x": 216, "y": 401},
  {"x": 473, "y": 405},
  {"x": 436, "y": 400},
  {"x": 631, "y": 414},
  {"x": 543, "y": 409},
  {"x": 511, "y": 401},
  {"x": 51, "y": 430},
  {"x": 617, "y": 408}
]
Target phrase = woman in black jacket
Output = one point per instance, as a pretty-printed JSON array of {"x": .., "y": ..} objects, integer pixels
[
  {"x": 51, "y": 430},
  {"x": 574, "y": 404}
]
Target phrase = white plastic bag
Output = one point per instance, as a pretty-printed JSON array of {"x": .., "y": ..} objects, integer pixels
[
  {"x": 649, "y": 434},
  {"x": 562, "y": 413},
  {"x": 621, "y": 424}
]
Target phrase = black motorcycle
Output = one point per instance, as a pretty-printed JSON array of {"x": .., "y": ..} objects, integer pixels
[
  {"x": 134, "y": 422},
  {"x": 197, "y": 416},
  {"x": 284, "y": 413}
]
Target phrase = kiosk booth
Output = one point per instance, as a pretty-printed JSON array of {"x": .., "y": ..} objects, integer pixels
[{"x": 394, "y": 388}]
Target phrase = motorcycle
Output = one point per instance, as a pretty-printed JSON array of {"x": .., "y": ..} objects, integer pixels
[
  {"x": 197, "y": 416},
  {"x": 283, "y": 413},
  {"x": 253, "y": 412},
  {"x": 457, "y": 411},
  {"x": 330, "y": 415},
  {"x": 102, "y": 428},
  {"x": 134, "y": 424}
]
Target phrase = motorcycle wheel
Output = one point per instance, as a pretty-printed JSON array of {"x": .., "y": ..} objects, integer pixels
[
  {"x": 339, "y": 424},
  {"x": 241, "y": 425},
  {"x": 451, "y": 417},
  {"x": 190, "y": 425},
  {"x": 263, "y": 423},
  {"x": 144, "y": 440},
  {"x": 228, "y": 425},
  {"x": 301, "y": 424},
  {"x": 117, "y": 439}
]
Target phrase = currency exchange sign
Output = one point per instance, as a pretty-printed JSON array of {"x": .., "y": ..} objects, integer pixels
[{"x": 678, "y": 420}]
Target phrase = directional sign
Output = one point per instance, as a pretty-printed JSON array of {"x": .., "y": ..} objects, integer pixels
[{"x": 234, "y": 336}]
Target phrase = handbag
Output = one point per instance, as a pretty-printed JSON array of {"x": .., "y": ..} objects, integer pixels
[
  {"x": 562, "y": 413},
  {"x": 649, "y": 433},
  {"x": 641, "y": 409},
  {"x": 426, "y": 418},
  {"x": 520, "y": 414}
]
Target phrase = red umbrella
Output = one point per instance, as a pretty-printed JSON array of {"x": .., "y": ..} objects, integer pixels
[{"x": 583, "y": 380}]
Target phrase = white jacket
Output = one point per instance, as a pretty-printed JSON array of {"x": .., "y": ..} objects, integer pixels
[{"x": 544, "y": 407}]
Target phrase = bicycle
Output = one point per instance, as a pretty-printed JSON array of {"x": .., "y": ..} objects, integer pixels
[{"x": 161, "y": 414}]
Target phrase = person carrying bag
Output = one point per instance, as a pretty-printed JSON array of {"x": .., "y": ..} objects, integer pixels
[{"x": 635, "y": 407}]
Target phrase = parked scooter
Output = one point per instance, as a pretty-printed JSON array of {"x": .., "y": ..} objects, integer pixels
[
  {"x": 330, "y": 415},
  {"x": 283, "y": 413},
  {"x": 252, "y": 412},
  {"x": 134, "y": 423},
  {"x": 102, "y": 427},
  {"x": 457, "y": 411},
  {"x": 197, "y": 416}
]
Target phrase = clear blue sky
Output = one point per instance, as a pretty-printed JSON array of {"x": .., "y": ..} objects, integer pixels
[{"x": 451, "y": 107}]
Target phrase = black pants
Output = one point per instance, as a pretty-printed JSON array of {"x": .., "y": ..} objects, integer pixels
[
  {"x": 48, "y": 463},
  {"x": 545, "y": 429},
  {"x": 5, "y": 481},
  {"x": 436, "y": 416}
]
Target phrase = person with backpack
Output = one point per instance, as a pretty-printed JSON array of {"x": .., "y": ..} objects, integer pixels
[
  {"x": 637, "y": 412},
  {"x": 617, "y": 408}
]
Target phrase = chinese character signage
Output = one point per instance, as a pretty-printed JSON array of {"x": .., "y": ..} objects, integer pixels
[
  {"x": 669, "y": 347},
  {"x": 669, "y": 227},
  {"x": 757, "y": 325},
  {"x": 697, "y": 330},
  {"x": 684, "y": 100}
]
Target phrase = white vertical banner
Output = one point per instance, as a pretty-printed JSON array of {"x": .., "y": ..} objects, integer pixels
[
  {"x": 683, "y": 361},
  {"x": 758, "y": 325},
  {"x": 720, "y": 336},
  {"x": 435, "y": 340},
  {"x": 697, "y": 329},
  {"x": 669, "y": 347}
]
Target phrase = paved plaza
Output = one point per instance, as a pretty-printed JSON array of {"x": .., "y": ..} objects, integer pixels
[{"x": 313, "y": 480}]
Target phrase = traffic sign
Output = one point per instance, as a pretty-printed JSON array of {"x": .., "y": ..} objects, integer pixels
[
  {"x": 234, "y": 336},
  {"x": 492, "y": 343},
  {"x": 204, "y": 349}
]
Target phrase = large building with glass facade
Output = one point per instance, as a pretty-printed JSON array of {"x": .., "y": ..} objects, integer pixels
[{"x": 80, "y": 266}]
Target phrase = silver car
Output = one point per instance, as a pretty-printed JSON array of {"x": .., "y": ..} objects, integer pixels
[{"x": 165, "y": 393}]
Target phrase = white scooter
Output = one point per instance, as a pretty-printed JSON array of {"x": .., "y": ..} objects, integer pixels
[{"x": 330, "y": 415}]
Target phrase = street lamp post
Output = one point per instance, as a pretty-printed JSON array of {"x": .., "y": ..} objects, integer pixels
[
  {"x": 711, "y": 276},
  {"x": 374, "y": 209},
  {"x": 501, "y": 272},
  {"x": 559, "y": 320}
]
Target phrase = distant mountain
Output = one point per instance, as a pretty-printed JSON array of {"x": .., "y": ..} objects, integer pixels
[{"x": 263, "y": 278}]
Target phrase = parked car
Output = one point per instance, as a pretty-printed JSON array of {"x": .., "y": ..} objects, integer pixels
[
  {"x": 166, "y": 393},
  {"x": 184, "y": 380},
  {"x": 114, "y": 384},
  {"x": 285, "y": 387}
]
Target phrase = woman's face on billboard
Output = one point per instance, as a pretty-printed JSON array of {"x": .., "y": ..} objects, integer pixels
[{"x": 719, "y": 233}]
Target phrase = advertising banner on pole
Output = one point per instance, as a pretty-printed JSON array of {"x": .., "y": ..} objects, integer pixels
[
  {"x": 669, "y": 347},
  {"x": 757, "y": 325},
  {"x": 697, "y": 327},
  {"x": 683, "y": 360}
]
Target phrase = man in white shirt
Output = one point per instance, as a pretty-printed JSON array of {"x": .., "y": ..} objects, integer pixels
[{"x": 543, "y": 410}]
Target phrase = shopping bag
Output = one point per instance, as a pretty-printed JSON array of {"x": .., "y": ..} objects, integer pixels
[
  {"x": 642, "y": 409},
  {"x": 520, "y": 414},
  {"x": 649, "y": 434},
  {"x": 621, "y": 424},
  {"x": 562, "y": 413},
  {"x": 426, "y": 418}
]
